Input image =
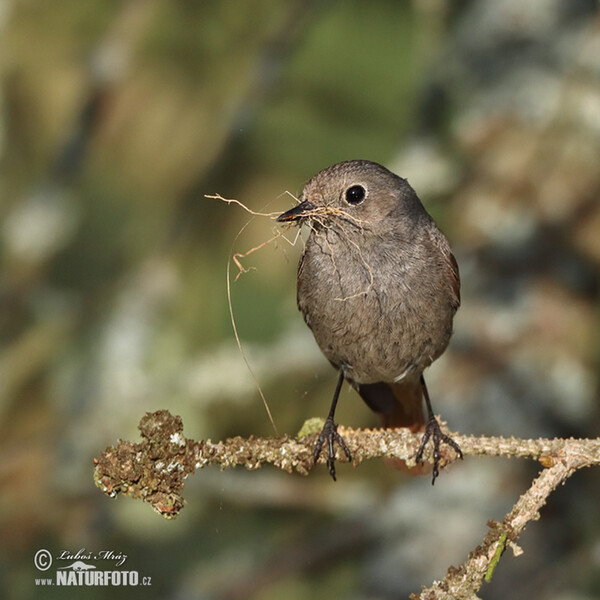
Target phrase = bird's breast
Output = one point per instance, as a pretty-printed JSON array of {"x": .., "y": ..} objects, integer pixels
[{"x": 360, "y": 301}]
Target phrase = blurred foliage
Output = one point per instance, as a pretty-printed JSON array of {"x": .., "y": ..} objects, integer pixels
[{"x": 116, "y": 117}]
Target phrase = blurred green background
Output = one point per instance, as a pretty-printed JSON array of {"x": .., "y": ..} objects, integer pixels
[{"x": 116, "y": 117}]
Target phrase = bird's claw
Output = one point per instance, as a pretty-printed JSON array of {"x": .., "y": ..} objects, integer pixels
[
  {"x": 434, "y": 431},
  {"x": 329, "y": 433}
]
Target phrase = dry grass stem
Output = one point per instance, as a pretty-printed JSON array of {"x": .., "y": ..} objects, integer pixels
[
  {"x": 239, "y": 255},
  {"x": 336, "y": 225},
  {"x": 234, "y": 201},
  {"x": 236, "y": 257}
]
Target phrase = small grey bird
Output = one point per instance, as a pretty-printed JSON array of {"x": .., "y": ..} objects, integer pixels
[{"x": 379, "y": 287}]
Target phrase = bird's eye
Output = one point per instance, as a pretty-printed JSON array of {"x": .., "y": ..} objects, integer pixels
[{"x": 355, "y": 194}]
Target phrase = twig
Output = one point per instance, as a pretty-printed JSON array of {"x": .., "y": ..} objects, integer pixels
[{"x": 465, "y": 581}]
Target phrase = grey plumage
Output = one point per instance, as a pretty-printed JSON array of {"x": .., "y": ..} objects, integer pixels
[
  {"x": 373, "y": 282},
  {"x": 377, "y": 284}
]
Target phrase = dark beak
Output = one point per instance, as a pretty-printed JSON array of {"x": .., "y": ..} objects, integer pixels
[{"x": 296, "y": 213}]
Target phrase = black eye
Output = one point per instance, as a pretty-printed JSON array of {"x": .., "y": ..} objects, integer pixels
[{"x": 355, "y": 194}]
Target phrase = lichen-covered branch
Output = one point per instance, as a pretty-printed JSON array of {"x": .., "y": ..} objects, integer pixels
[
  {"x": 465, "y": 581},
  {"x": 155, "y": 470}
]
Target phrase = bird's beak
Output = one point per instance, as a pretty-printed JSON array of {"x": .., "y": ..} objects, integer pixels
[{"x": 298, "y": 212}]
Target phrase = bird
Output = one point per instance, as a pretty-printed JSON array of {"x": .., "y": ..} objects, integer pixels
[{"x": 378, "y": 286}]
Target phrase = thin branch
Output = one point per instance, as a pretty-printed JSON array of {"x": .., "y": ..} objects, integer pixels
[
  {"x": 465, "y": 581},
  {"x": 155, "y": 470}
]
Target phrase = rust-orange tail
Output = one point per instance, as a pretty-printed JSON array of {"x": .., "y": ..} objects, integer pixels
[{"x": 398, "y": 405}]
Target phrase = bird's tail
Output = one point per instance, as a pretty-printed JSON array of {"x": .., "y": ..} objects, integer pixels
[{"x": 398, "y": 405}]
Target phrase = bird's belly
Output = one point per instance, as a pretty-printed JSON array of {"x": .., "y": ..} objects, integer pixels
[{"x": 368, "y": 325}]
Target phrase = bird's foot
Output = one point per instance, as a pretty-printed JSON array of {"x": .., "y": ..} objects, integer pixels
[
  {"x": 329, "y": 433},
  {"x": 434, "y": 431}
]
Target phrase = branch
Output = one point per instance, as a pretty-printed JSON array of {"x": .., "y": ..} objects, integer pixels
[
  {"x": 155, "y": 470},
  {"x": 464, "y": 581}
]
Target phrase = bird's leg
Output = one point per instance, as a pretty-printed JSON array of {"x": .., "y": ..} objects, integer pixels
[
  {"x": 434, "y": 431},
  {"x": 329, "y": 433}
]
